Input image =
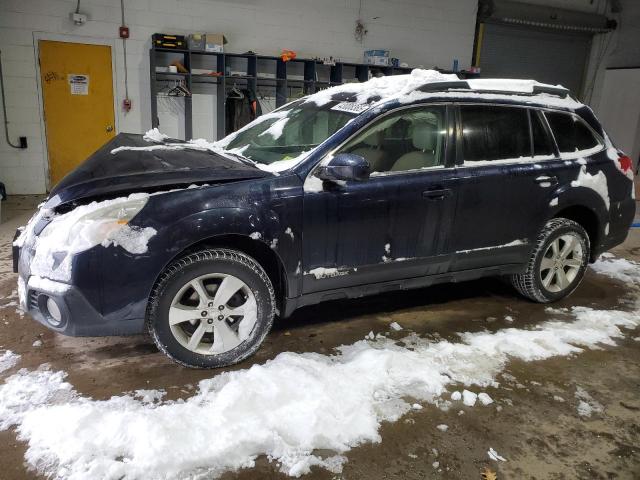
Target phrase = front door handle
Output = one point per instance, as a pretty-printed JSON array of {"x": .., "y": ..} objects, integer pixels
[
  {"x": 551, "y": 180},
  {"x": 109, "y": 128},
  {"x": 436, "y": 194}
]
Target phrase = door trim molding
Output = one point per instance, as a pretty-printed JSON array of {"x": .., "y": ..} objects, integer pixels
[{"x": 60, "y": 37}]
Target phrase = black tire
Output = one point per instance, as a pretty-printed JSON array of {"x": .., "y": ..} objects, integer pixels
[
  {"x": 190, "y": 267},
  {"x": 530, "y": 283}
]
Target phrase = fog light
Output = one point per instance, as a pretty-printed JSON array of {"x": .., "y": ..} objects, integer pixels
[{"x": 55, "y": 315}]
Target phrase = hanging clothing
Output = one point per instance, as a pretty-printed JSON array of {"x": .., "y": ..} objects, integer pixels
[{"x": 240, "y": 111}]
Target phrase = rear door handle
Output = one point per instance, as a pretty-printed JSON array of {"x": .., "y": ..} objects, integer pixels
[
  {"x": 436, "y": 194},
  {"x": 551, "y": 180}
]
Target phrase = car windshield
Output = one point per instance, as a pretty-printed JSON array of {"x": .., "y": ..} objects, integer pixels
[{"x": 288, "y": 133}]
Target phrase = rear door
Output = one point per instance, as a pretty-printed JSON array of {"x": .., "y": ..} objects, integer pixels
[
  {"x": 394, "y": 225},
  {"x": 509, "y": 170}
]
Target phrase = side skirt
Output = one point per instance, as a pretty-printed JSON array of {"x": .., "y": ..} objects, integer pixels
[{"x": 292, "y": 304}]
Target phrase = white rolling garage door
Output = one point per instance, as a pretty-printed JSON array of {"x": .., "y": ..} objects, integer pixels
[{"x": 547, "y": 56}]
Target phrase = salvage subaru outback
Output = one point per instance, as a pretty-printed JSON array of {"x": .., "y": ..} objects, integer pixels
[{"x": 396, "y": 183}]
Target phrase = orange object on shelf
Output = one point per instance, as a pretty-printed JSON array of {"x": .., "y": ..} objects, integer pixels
[
  {"x": 287, "y": 55},
  {"x": 179, "y": 66}
]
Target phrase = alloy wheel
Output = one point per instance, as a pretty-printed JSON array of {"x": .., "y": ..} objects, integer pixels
[
  {"x": 213, "y": 314},
  {"x": 561, "y": 263}
]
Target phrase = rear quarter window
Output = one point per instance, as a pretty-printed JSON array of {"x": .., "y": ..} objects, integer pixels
[
  {"x": 542, "y": 143},
  {"x": 571, "y": 133}
]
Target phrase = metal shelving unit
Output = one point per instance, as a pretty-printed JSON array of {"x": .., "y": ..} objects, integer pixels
[{"x": 305, "y": 76}]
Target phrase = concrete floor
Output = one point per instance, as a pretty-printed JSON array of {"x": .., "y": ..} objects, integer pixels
[{"x": 541, "y": 438}]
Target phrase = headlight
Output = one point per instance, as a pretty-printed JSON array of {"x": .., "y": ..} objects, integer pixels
[{"x": 89, "y": 225}]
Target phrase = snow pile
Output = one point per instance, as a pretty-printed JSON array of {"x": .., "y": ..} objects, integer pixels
[
  {"x": 154, "y": 135},
  {"x": 275, "y": 130},
  {"x": 404, "y": 89},
  {"x": 469, "y": 398},
  {"x": 284, "y": 164},
  {"x": 25, "y": 392},
  {"x": 149, "y": 396},
  {"x": 626, "y": 271},
  {"x": 586, "y": 404},
  {"x": 8, "y": 360},
  {"x": 132, "y": 239},
  {"x": 322, "y": 272},
  {"x": 277, "y": 114},
  {"x": 151, "y": 148},
  {"x": 315, "y": 403},
  {"x": 493, "y": 455},
  {"x": 514, "y": 243},
  {"x": 381, "y": 89},
  {"x": 79, "y": 230}
]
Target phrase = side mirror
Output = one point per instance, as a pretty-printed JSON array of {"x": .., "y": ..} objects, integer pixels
[{"x": 345, "y": 166}]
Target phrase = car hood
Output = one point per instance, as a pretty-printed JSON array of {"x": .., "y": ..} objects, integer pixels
[{"x": 109, "y": 171}]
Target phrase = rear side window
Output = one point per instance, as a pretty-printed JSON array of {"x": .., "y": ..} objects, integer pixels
[
  {"x": 494, "y": 133},
  {"x": 571, "y": 134},
  {"x": 542, "y": 145}
]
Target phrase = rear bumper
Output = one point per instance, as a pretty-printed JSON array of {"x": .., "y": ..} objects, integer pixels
[{"x": 621, "y": 219}]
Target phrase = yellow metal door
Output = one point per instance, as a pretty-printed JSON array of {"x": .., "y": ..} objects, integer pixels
[{"x": 77, "y": 90}]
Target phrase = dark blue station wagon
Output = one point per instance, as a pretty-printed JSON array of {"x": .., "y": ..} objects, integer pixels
[{"x": 391, "y": 184}]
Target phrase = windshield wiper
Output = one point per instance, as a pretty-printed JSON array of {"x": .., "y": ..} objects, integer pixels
[{"x": 243, "y": 159}]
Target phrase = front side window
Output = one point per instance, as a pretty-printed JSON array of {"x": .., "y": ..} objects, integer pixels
[
  {"x": 494, "y": 133},
  {"x": 571, "y": 134},
  {"x": 410, "y": 139}
]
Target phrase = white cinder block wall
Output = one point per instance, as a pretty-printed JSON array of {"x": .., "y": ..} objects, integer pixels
[{"x": 420, "y": 32}]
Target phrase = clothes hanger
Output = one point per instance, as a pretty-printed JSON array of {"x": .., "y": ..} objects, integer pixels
[{"x": 179, "y": 90}]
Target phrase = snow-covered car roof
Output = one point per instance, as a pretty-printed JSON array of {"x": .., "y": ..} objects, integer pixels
[{"x": 423, "y": 84}]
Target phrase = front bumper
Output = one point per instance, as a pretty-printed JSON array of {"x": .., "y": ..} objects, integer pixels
[{"x": 78, "y": 316}]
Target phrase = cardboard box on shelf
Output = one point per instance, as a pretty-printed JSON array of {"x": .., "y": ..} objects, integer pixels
[
  {"x": 214, "y": 42},
  {"x": 377, "y": 57}
]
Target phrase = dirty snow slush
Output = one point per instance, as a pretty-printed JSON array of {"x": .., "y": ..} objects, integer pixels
[{"x": 317, "y": 402}]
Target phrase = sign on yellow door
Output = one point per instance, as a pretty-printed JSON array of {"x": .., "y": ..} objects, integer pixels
[{"x": 77, "y": 90}]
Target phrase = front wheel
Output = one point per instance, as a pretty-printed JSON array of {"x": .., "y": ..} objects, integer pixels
[
  {"x": 557, "y": 264},
  {"x": 211, "y": 309}
]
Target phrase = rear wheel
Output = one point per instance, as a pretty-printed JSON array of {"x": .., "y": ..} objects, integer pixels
[
  {"x": 557, "y": 264},
  {"x": 211, "y": 309}
]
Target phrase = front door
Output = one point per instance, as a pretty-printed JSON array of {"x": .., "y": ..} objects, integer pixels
[
  {"x": 394, "y": 225},
  {"x": 77, "y": 90}
]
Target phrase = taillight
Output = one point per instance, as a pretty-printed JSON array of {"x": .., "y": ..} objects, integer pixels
[{"x": 625, "y": 163}]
